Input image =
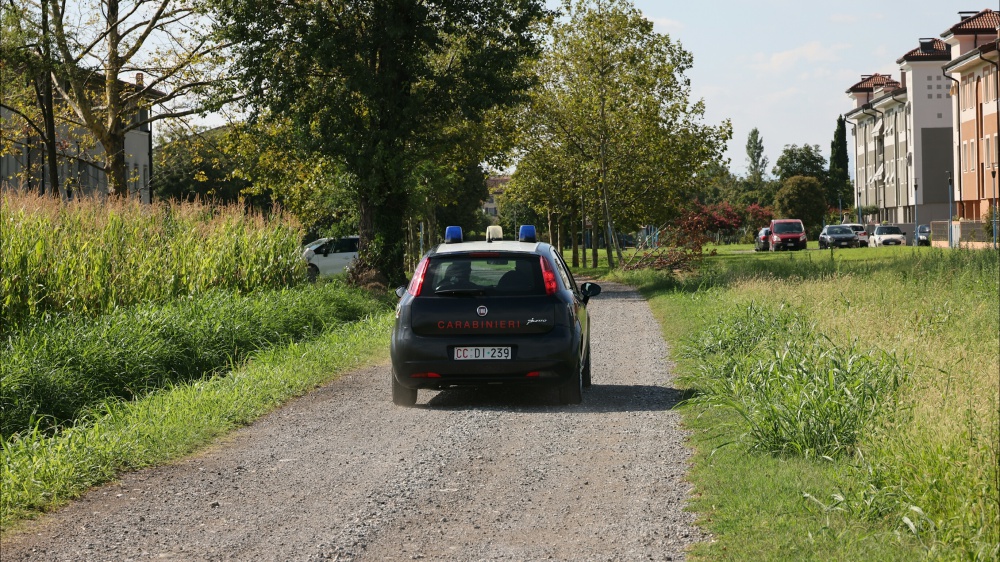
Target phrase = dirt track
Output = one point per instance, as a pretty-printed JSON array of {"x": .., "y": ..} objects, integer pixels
[{"x": 342, "y": 474}]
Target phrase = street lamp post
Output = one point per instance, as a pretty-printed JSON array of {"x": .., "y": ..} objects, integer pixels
[
  {"x": 859, "y": 208},
  {"x": 993, "y": 212},
  {"x": 916, "y": 223},
  {"x": 951, "y": 199}
]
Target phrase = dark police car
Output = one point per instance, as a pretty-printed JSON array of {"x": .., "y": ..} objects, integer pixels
[{"x": 493, "y": 312}]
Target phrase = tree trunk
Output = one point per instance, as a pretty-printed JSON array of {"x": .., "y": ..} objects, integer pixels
[
  {"x": 583, "y": 230},
  {"x": 573, "y": 232},
  {"x": 46, "y": 105},
  {"x": 559, "y": 245},
  {"x": 549, "y": 216},
  {"x": 115, "y": 166}
]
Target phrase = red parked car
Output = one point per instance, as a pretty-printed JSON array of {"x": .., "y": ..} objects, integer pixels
[{"x": 787, "y": 234}]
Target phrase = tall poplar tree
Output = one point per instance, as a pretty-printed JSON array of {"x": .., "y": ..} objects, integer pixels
[{"x": 838, "y": 188}]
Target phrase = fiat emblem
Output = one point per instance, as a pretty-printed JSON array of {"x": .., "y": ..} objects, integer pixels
[{"x": 482, "y": 311}]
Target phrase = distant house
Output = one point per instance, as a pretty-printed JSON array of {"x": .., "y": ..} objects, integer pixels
[
  {"x": 495, "y": 185},
  {"x": 80, "y": 158},
  {"x": 972, "y": 66}
]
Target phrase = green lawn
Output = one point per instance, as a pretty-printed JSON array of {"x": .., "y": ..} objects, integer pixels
[{"x": 921, "y": 479}]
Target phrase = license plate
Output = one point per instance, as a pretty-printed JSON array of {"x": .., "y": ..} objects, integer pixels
[
  {"x": 472, "y": 353},
  {"x": 845, "y": 243}
]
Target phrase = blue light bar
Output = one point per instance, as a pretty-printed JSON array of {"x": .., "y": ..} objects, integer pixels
[
  {"x": 527, "y": 233},
  {"x": 453, "y": 235}
]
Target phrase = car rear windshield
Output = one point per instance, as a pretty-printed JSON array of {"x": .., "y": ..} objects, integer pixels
[
  {"x": 787, "y": 227},
  {"x": 839, "y": 230},
  {"x": 857, "y": 228},
  {"x": 491, "y": 274}
]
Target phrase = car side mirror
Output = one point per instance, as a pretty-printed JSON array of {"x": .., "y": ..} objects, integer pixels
[
  {"x": 400, "y": 291},
  {"x": 589, "y": 289}
]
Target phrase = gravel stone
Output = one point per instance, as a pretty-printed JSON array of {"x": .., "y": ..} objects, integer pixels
[{"x": 468, "y": 474}]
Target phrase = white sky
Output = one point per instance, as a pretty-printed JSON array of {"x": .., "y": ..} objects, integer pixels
[{"x": 783, "y": 65}]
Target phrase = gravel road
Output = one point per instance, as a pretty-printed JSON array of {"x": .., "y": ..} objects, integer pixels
[{"x": 342, "y": 474}]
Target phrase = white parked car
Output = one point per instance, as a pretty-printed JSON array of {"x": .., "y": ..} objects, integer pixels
[
  {"x": 861, "y": 232},
  {"x": 887, "y": 236},
  {"x": 329, "y": 256}
]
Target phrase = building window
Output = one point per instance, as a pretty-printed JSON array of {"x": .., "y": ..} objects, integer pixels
[
  {"x": 930, "y": 96},
  {"x": 930, "y": 86},
  {"x": 987, "y": 153},
  {"x": 964, "y": 156}
]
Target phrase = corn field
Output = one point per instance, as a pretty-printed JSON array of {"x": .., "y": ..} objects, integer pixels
[{"x": 91, "y": 256}]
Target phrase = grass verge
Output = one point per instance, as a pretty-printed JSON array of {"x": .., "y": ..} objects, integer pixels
[
  {"x": 41, "y": 472},
  {"x": 918, "y": 477},
  {"x": 57, "y": 369}
]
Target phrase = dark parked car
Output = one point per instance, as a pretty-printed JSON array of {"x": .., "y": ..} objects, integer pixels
[
  {"x": 487, "y": 313},
  {"x": 838, "y": 236},
  {"x": 760, "y": 243},
  {"x": 787, "y": 234},
  {"x": 924, "y": 235}
]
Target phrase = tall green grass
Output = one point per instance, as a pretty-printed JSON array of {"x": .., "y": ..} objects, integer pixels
[
  {"x": 795, "y": 391},
  {"x": 90, "y": 256},
  {"x": 923, "y": 453},
  {"x": 58, "y": 370},
  {"x": 40, "y": 471}
]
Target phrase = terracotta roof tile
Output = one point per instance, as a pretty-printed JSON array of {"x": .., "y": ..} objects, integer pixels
[
  {"x": 929, "y": 50},
  {"x": 986, "y": 20},
  {"x": 873, "y": 82}
]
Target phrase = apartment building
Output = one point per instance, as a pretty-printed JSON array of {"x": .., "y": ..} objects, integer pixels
[
  {"x": 902, "y": 135},
  {"x": 973, "y": 71},
  {"x": 870, "y": 150}
]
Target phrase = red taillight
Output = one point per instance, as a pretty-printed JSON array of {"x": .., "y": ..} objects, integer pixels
[
  {"x": 548, "y": 277},
  {"x": 425, "y": 376},
  {"x": 417, "y": 282},
  {"x": 534, "y": 374}
]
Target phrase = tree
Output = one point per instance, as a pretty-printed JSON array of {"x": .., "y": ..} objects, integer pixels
[
  {"x": 801, "y": 197},
  {"x": 612, "y": 119},
  {"x": 27, "y": 62},
  {"x": 100, "y": 42},
  {"x": 838, "y": 186},
  {"x": 756, "y": 161},
  {"x": 800, "y": 161},
  {"x": 200, "y": 163},
  {"x": 372, "y": 85}
]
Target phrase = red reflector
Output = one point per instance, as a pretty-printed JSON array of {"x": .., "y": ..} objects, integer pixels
[
  {"x": 548, "y": 276},
  {"x": 417, "y": 283},
  {"x": 425, "y": 376},
  {"x": 534, "y": 374}
]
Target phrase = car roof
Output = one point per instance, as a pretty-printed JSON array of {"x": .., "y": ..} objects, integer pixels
[
  {"x": 483, "y": 246},
  {"x": 787, "y": 220}
]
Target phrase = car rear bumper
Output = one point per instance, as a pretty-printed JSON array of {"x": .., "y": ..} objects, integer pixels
[{"x": 535, "y": 360}]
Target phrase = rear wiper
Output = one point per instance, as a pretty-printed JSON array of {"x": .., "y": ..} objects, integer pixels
[{"x": 460, "y": 292}]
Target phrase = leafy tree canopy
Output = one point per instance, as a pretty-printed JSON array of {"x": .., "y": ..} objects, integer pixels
[
  {"x": 801, "y": 197},
  {"x": 377, "y": 86},
  {"x": 800, "y": 161}
]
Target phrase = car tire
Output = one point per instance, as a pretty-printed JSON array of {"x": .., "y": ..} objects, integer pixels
[
  {"x": 402, "y": 396},
  {"x": 586, "y": 370},
  {"x": 312, "y": 273},
  {"x": 571, "y": 391}
]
